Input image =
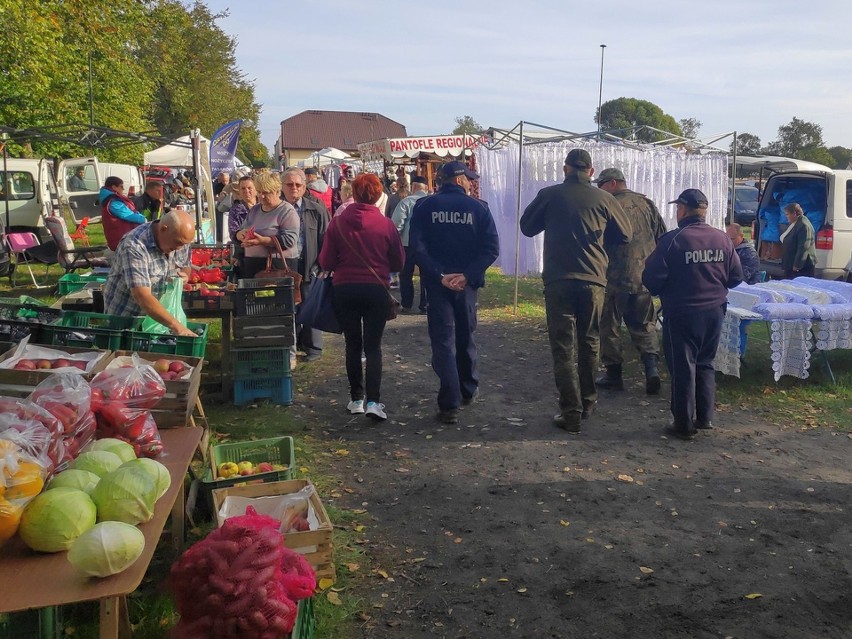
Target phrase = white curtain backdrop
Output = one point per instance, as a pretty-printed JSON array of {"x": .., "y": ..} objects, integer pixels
[{"x": 660, "y": 173}]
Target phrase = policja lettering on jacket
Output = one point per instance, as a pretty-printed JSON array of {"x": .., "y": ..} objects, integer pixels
[
  {"x": 452, "y": 217},
  {"x": 705, "y": 256}
]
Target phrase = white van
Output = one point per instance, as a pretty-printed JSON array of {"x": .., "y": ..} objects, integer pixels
[
  {"x": 80, "y": 180},
  {"x": 27, "y": 193},
  {"x": 826, "y": 197}
]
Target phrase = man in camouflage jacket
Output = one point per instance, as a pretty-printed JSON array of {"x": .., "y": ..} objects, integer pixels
[{"x": 626, "y": 298}]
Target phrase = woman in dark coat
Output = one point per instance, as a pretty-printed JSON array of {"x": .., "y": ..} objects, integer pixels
[{"x": 798, "y": 256}]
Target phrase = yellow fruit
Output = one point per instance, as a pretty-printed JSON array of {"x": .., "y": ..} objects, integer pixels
[
  {"x": 228, "y": 469},
  {"x": 25, "y": 483},
  {"x": 10, "y": 517}
]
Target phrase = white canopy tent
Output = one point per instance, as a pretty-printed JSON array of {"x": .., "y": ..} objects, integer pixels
[
  {"x": 180, "y": 154},
  {"x": 326, "y": 156}
]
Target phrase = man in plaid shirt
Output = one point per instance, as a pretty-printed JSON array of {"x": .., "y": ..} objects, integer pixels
[{"x": 145, "y": 260}]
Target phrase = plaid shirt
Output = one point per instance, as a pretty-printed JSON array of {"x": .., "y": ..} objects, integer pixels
[{"x": 139, "y": 262}]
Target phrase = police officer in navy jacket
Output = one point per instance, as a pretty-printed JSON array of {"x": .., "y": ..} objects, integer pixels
[
  {"x": 691, "y": 270},
  {"x": 455, "y": 241}
]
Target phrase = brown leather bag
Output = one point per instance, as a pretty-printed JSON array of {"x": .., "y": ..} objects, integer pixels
[{"x": 277, "y": 273}]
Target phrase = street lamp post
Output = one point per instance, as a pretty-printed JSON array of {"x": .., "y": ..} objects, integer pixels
[{"x": 600, "y": 90}]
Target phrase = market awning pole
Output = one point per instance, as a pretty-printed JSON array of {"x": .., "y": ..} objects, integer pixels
[
  {"x": 5, "y": 185},
  {"x": 194, "y": 135},
  {"x": 518, "y": 219}
]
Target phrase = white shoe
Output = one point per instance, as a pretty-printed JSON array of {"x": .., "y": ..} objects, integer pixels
[
  {"x": 376, "y": 411},
  {"x": 356, "y": 407}
]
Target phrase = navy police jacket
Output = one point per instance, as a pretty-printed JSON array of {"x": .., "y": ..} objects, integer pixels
[
  {"x": 452, "y": 232},
  {"x": 692, "y": 268}
]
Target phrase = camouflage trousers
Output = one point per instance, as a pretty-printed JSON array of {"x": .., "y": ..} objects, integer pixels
[
  {"x": 573, "y": 315},
  {"x": 637, "y": 311}
]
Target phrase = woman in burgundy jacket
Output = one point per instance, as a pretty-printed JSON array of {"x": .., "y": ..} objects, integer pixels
[{"x": 362, "y": 248}]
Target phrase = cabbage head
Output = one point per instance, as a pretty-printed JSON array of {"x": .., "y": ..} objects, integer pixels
[
  {"x": 100, "y": 462},
  {"x": 75, "y": 478},
  {"x": 53, "y": 520},
  {"x": 111, "y": 444},
  {"x": 156, "y": 470},
  {"x": 107, "y": 549},
  {"x": 127, "y": 494}
]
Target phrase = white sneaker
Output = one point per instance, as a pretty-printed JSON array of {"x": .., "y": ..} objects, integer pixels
[
  {"x": 356, "y": 407},
  {"x": 376, "y": 411}
]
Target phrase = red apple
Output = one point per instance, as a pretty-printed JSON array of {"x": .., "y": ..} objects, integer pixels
[
  {"x": 60, "y": 363},
  {"x": 177, "y": 367},
  {"x": 264, "y": 467},
  {"x": 168, "y": 376},
  {"x": 80, "y": 365},
  {"x": 162, "y": 365},
  {"x": 25, "y": 365},
  {"x": 44, "y": 363}
]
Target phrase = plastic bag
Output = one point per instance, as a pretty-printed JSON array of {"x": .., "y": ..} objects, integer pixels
[
  {"x": 35, "y": 357},
  {"x": 121, "y": 398},
  {"x": 293, "y": 512},
  {"x": 36, "y": 432},
  {"x": 68, "y": 397},
  {"x": 22, "y": 477},
  {"x": 172, "y": 301}
]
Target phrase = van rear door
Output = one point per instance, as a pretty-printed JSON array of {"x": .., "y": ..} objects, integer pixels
[{"x": 80, "y": 181}]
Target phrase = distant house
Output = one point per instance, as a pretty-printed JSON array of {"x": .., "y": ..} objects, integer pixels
[{"x": 310, "y": 131}]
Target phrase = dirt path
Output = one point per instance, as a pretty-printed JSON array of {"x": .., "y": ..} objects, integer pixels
[{"x": 503, "y": 525}]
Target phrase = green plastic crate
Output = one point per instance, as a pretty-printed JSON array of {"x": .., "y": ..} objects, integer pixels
[
  {"x": 44, "y": 623},
  {"x": 305, "y": 621},
  {"x": 137, "y": 340},
  {"x": 71, "y": 282},
  {"x": 251, "y": 363},
  {"x": 276, "y": 450},
  {"x": 88, "y": 330}
]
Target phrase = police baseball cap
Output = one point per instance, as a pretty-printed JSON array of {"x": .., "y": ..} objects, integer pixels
[
  {"x": 419, "y": 179},
  {"x": 453, "y": 169},
  {"x": 579, "y": 159},
  {"x": 691, "y": 198},
  {"x": 610, "y": 174}
]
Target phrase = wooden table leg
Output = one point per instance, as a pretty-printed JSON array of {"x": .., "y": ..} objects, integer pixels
[
  {"x": 115, "y": 620},
  {"x": 178, "y": 516}
]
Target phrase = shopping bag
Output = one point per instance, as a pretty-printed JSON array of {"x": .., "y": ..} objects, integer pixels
[
  {"x": 317, "y": 309},
  {"x": 172, "y": 301}
]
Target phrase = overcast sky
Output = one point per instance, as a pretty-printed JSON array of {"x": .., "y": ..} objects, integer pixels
[{"x": 736, "y": 65}]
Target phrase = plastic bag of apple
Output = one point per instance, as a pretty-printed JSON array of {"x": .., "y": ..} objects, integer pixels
[
  {"x": 122, "y": 397},
  {"x": 35, "y": 432},
  {"x": 31, "y": 357},
  {"x": 68, "y": 398}
]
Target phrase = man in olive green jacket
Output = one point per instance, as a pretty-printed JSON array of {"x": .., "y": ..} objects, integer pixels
[
  {"x": 575, "y": 218},
  {"x": 626, "y": 297}
]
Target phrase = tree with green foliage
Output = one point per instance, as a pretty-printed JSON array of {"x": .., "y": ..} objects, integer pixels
[
  {"x": 689, "y": 127},
  {"x": 625, "y": 114},
  {"x": 747, "y": 144},
  {"x": 841, "y": 156},
  {"x": 794, "y": 137},
  {"x": 466, "y": 124}
]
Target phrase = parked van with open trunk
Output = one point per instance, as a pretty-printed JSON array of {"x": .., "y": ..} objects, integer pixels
[{"x": 824, "y": 194}]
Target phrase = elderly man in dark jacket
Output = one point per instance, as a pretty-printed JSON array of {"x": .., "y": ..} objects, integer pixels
[
  {"x": 314, "y": 218},
  {"x": 575, "y": 218}
]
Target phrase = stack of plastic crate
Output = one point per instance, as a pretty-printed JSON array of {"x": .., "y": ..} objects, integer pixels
[{"x": 264, "y": 331}]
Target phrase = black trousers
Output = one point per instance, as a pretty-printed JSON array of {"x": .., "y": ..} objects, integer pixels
[
  {"x": 690, "y": 342},
  {"x": 406, "y": 283},
  {"x": 807, "y": 270},
  {"x": 362, "y": 310}
]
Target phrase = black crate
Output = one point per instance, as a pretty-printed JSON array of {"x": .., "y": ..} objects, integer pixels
[
  {"x": 276, "y": 331},
  {"x": 262, "y": 298},
  {"x": 18, "y": 321}
]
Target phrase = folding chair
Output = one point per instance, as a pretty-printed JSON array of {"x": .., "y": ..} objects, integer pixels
[
  {"x": 79, "y": 234},
  {"x": 71, "y": 258},
  {"x": 25, "y": 248}
]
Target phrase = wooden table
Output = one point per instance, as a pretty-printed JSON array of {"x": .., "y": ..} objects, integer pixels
[{"x": 34, "y": 580}]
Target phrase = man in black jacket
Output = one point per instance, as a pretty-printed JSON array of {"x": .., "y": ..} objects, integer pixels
[
  {"x": 691, "y": 270},
  {"x": 575, "y": 218},
  {"x": 314, "y": 219}
]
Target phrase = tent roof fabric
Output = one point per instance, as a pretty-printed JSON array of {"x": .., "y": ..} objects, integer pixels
[
  {"x": 172, "y": 154},
  {"x": 339, "y": 129}
]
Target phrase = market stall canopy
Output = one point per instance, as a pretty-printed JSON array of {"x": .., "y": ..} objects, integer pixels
[
  {"x": 390, "y": 149},
  {"x": 326, "y": 156},
  {"x": 178, "y": 153}
]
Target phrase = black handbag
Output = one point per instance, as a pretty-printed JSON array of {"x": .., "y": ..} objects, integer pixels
[{"x": 317, "y": 309}]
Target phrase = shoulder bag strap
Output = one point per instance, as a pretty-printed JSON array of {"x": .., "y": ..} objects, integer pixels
[{"x": 372, "y": 270}]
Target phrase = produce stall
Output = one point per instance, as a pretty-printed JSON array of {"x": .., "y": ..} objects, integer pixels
[{"x": 32, "y": 580}]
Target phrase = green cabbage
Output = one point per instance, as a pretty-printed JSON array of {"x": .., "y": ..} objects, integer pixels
[
  {"x": 100, "y": 462},
  {"x": 157, "y": 472},
  {"x": 106, "y": 549},
  {"x": 112, "y": 445},
  {"x": 127, "y": 494},
  {"x": 75, "y": 478},
  {"x": 54, "y": 519}
]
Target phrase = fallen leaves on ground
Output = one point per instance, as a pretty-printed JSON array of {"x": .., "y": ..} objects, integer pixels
[{"x": 645, "y": 570}]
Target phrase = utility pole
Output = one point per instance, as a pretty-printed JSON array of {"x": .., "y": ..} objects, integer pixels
[{"x": 600, "y": 90}]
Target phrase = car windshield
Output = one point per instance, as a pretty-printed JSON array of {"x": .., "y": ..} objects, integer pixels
[{"x": 747, "y": 195}]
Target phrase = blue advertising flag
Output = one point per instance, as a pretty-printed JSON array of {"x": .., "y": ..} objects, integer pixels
[{"x": 223, "y": 146}]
